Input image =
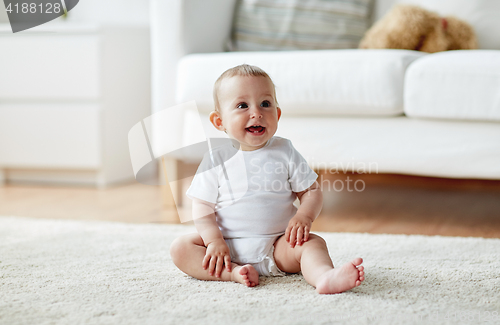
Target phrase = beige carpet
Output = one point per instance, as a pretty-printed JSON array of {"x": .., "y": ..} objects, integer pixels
[{"x": 77, "y": 272}]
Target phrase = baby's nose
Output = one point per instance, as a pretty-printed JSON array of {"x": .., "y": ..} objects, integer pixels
[{"x": 255, "y": 113}]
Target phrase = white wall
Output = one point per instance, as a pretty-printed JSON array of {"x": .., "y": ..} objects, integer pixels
[
  {"x": 128, "y": 12},
  {"x": 3, "y": 14},
  {"x": 133, "y": 12}
]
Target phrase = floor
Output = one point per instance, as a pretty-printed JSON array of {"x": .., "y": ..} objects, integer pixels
[{"x": 394, "y": 204}]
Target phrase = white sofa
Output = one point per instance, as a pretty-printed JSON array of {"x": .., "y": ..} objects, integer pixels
[{"x": 379, "y": 111}]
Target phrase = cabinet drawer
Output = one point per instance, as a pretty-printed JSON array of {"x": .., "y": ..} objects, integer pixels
[
  {"x": 50, "y": 136},
  {"x": 49, "y": 66}
]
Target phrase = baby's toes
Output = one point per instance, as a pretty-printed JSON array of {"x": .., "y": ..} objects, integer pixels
[
  {"x": 361, "y": 275},
  {"x": 357, "y": 261},
  {"x": 360, "y": 268}
]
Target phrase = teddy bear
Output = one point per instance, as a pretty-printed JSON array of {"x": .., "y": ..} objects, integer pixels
[{"x": 414, "y": 28}]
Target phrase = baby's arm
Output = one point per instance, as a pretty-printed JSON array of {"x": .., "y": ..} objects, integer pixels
[
  {"x": 311, "y": 201},
  {"x": 217, "y": 253}
]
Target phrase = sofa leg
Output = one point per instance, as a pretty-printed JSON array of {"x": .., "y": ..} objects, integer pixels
[
  {"x": 2, "y": 177},
  {"x": 172, "y": 195}
]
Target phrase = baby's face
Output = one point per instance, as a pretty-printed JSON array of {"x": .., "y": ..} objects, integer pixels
[{"x": 248, "y": 111}]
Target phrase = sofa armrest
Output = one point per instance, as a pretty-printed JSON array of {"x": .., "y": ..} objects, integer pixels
[{"x": 180, "y": 27}]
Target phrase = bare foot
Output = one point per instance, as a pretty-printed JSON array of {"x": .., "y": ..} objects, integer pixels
[
  {"x": 341, "y": 279},
  {"x": 245, "y": 274}
]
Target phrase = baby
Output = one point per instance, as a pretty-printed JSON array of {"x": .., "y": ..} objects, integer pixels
[{"x": 243, "y": 198}]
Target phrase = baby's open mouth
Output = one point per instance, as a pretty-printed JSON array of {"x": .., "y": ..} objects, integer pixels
[{"x": 256, "y": 130}]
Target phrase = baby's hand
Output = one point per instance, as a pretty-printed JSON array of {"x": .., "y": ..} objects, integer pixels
[
  {"x": 216, "y": 256},
  {"x": 298, "y": 230}
]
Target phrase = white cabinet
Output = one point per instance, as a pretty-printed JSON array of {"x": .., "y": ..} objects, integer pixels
[
  {"x": 49, "y": 66},
  {"x": 68, "y": 97}
]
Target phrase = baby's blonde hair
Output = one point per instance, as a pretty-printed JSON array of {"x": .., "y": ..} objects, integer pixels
[{"x": 244, "y": 70}]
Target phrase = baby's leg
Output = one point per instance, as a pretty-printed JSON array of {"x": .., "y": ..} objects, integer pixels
[
  {"x": 187, "y": 253},
  {"x": 313, "y": 260}
]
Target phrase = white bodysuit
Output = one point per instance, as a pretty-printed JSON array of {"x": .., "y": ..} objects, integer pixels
[{"x": 253, "y": 193}]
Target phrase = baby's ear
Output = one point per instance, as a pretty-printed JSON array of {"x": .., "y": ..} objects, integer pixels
[
  {"x": 279, "y": 112},
  {"x": 216, "y": 120}
]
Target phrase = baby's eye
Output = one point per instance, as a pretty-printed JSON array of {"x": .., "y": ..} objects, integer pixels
[
  {"x": 242, "y": 105},
  {"x": 266, "y": 103}
]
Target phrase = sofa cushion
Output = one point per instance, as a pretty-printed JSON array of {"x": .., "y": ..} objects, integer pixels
[
  {"x": 455, "y": 85},
  {"x": 455, "y": 149},
  {"x": 263, "y": 25},
  {"x": 309, "y": 83}
]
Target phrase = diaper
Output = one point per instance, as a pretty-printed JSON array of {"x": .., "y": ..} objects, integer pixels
[{"x": 256, "y": 251}]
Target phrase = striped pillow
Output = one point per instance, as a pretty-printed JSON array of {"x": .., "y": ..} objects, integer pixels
[{"x": 261, "y": 25}]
